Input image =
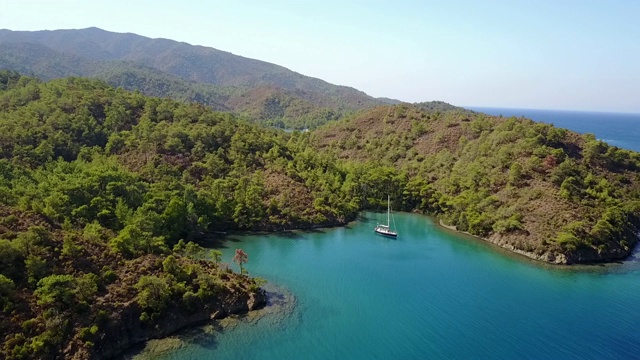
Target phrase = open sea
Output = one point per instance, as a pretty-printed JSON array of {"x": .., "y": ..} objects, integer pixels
[
  {"x": 618, "y": 129},
  {"x": 348, "y": 293}
]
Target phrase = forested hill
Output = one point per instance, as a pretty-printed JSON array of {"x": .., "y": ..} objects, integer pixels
[
  {"x": 167, "y": 68},
  {"x": 101, "y": 192},
  {"x": 105, "y": 195},
  {"x": 546, "y": 192}
]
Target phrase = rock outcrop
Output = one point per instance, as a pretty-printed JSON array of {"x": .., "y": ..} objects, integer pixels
[
  {"x": 125, "y": 328},
  {"x": 583, "y": 255}
]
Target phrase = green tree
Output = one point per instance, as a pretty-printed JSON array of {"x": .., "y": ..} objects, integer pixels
[
  {"x": 87, "y": 286},
  {"x": 7, "y": 287},
  {"x": 170, "y": 265},
  {"x": 133, "y": 242},
  {"x": 56, "y": 290},
  {"x": 36, "y": 268},
  {"x": 215, "y": 255},
  {"x": 10, "y": 259},
  {"x": 153, "y": 293},
  {"x": 515, "y": 174}
]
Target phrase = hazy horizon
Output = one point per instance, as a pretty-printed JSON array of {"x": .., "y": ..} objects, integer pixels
[
  {"x": 577, "y": 56},
  {"x": 472, "y": 107}
]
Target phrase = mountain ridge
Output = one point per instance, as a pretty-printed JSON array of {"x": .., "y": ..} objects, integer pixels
[{"x": 92, "y": 52}]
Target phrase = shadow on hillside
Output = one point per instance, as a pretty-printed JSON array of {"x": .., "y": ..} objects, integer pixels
[
  {"x": 224, "y": 240},
  {"x": 217, "y": 241}
]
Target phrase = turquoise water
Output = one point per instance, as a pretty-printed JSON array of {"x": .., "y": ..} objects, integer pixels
[{"x": 429, "y": 294}]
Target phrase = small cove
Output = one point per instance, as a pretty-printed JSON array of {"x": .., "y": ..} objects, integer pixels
[{"x": 430, "y": 293}]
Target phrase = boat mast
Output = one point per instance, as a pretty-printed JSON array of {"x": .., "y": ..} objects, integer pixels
[{"x": 388, "y": 210}]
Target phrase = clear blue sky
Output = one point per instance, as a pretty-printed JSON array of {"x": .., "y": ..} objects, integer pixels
[{"x": 562, "y": 54}]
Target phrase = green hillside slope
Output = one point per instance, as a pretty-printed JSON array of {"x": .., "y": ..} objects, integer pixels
[
  {"x": 166, "y": 68},
  {"x": 105, "y": 194},
  {"x": 547, "y": 192},
  {"x": 101, "y": 192}
]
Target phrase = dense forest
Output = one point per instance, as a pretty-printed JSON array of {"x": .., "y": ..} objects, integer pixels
[
  {"x": 106, "y": 194},
  {"x": 549, "y": 193}
]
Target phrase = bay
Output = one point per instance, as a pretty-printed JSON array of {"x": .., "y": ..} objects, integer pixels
[{"x": 429, "y": 294}]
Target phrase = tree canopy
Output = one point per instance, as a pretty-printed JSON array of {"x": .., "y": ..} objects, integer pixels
[{"x": 104, "y": 194}]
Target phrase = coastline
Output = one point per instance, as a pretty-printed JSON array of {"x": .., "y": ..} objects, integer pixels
[
  {"x": 126, "y": 331},
  {"x": 365, "y": 267},
  {"x": 552, "y": 257},
  {"x": 280, "y": 305},
  {"x": 509, "y": 247},
  {"x": 549, "y": 259}
]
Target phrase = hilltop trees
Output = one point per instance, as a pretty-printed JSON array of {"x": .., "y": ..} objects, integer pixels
[
  {"x": 154, "y": 171},
  {"x": 150, "y": 172},
  {"x": 258, "y": 91},
  {"x": 94, "y": 179}
]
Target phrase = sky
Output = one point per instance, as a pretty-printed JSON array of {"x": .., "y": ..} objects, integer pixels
[{"x": 536, "y": 54}]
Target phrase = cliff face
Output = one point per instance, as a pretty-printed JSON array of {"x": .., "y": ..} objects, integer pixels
[{"x": 126, "y": 329}]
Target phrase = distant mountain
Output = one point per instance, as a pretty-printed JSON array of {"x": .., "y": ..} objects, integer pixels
[
  {"x": 434, "y": 106},
  {"x": 167, "y": 68}
]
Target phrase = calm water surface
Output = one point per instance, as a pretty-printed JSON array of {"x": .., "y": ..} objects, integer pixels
[{"x": 429, "y": 294}]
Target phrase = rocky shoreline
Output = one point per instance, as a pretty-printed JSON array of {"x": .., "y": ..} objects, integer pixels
[
  {"x": 579, "y": 256},
  {"x": 280, "y": 305},
  {"x": 125, "y": 330}
]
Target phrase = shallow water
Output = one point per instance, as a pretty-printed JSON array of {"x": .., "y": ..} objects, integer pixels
[{"x": 430, "y": 293}]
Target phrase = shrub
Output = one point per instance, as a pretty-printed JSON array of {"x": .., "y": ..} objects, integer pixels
[
  {"x": 190, "y": 300},
  {"x": 109, "y": 276},
  {"x": 56, "y": 290},
  {"x": 153, "y": 292}
]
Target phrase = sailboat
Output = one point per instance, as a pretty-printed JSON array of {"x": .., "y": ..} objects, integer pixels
[{"x": 386, "y": 229}]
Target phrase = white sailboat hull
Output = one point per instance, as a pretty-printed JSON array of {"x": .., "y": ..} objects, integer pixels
[{"x": 386, "y": 229}]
